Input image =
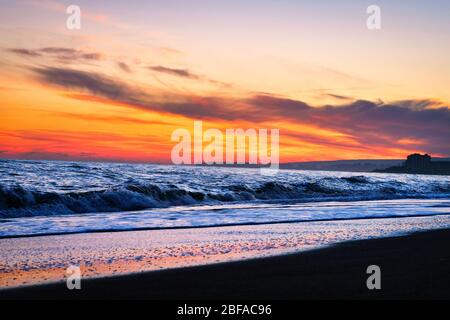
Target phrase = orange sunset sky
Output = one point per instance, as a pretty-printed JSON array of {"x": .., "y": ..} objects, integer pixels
[{"x": 117, "y": 88}]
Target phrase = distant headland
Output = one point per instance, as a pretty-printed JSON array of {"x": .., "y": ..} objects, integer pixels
[
  {"x": 420, "y": 164},
  {"x": 411, "y": 165}
]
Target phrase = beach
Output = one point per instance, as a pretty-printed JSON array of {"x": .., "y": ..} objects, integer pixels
[
  {"x": 412, "y": 266},
  {"x": 31, "y": 263},
  {"x": 157, "y": 224}
]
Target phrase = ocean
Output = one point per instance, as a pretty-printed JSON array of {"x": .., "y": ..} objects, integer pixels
[{"x": 57, "y": 197}]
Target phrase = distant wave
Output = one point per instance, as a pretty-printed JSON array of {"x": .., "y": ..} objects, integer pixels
[{"x": 19, "y": 201}]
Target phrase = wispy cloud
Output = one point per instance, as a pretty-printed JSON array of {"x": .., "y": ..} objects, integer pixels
[
  {"x": 184, "y": 73},
  {"x": 367, "y": 122},
  {"x": 25, "y": 52},
  {"x": 61, "y": 54},
  {"x": 337, "y": 96},
  {"x": 420, "y": 104},
  {"x": 124, "y": 67},
  {"x": 187, "y": 74}
]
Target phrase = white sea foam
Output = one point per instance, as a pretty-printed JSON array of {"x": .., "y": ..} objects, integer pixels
[{"x": 59, "y": 197}]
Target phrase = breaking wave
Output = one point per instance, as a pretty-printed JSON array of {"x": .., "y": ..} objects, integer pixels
[{"x": 20, "y": 201}]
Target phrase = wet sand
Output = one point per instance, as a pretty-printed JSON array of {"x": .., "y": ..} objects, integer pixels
[
  {"x": 44, "y": 259},
  {"x": 413, "y": 266}
]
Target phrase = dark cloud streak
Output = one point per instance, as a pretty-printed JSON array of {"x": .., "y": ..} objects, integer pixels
[
  {"x": 24, "y": 52},
  {"x": 124, "y": 67},
  {"x": 174, "y": 72},
  {"x": 370, "y": 123},
  {"x": 59, "y": 53}
]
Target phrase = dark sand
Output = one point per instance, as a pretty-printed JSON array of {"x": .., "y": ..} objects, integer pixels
[{"x": 415, "y": 266}]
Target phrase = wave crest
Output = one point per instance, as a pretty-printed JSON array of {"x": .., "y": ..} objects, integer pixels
[{"x": 18, "y": 201}]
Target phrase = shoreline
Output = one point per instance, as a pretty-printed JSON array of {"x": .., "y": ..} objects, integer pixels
[
  {"x": 412, "y": 266},
  {"x": 296, "y": 212},
  {"x": 243, "y": 224}
]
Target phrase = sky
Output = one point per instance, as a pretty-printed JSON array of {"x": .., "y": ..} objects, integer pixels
[{"x": 135, "y": 71}]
